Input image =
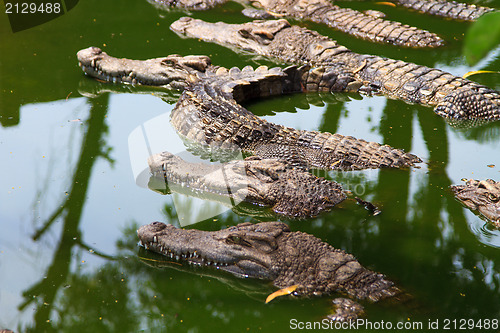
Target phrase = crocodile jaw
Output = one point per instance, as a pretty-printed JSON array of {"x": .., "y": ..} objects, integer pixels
[{"x": 216, "y": 249}]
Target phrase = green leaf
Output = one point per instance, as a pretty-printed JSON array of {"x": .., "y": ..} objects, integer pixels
[{"x": 482, "y": 37}]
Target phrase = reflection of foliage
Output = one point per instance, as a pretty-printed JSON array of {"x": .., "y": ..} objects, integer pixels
[
  {"x": 482, "y": 37},
  {"x": 97, "y": 302}
]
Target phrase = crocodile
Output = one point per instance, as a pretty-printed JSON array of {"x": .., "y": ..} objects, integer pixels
[
  {"x": 271, "y": 183},
  {"x": 364, "y": 25},
  {"x": 271, "y": 251},
  {"x": 453, "y": 97},
  {"x": 482, "y": 196},
  {"x": 448, "y": 9},
  {"x": 208, "y": 112}
]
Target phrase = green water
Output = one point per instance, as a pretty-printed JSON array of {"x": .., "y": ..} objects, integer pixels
[{"x": 72, "y": 196}]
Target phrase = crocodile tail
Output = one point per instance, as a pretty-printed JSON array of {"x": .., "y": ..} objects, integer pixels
[
  {"x": 309, "y": 149},
  {"x": 217, "y": 124},
  {"x": 449, "y": 9},
  {"x": 470, "y": 103},
  {"x": 356, "y": 23},
  {"x": 378, "y": 30}
]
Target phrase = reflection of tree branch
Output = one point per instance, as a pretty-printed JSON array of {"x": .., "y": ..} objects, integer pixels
[
  {"x": 95, "y": 252},
  {"x": 396, "y": 128},
  {"x": 48, "y": 223},
  {"x": 331, "y": 117},
  {"x": 46, "y": 290}
]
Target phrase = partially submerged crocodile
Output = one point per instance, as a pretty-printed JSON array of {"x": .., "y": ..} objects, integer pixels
[
  {"x": 453, "y": 97},
  {"x": 270, "y": 251},
  {"x": 482, "y": 196},
  {"x": 208, "y": 112},
  {"x": 287, "y": 191}
]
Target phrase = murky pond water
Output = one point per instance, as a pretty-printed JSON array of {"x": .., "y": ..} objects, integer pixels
[{"x": 72, "y": 192}]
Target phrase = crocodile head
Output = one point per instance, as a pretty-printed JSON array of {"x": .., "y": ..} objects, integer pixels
[
  {"x": 483, "y": 196},
  {"x": 251, "y": 36},
  {"x": 243, "y": 250},
  {"x": 172, "y": 71}
]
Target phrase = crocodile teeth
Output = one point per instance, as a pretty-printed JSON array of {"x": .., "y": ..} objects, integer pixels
[{"x": 155, "y": 239}]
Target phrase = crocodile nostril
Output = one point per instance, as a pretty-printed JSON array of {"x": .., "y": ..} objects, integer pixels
[{"x": 158, "y": 225}]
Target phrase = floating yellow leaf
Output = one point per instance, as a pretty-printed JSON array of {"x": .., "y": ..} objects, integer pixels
[
  {"x": 466, "y": 75},
  {"x": 282, "y": 292},
  {"x": 386, "y": 3}
]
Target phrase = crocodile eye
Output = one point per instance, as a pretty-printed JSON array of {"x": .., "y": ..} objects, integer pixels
[
  {"x": 234, "y": 239},
  {"x": 493, "y": 197},
  {"x": 244, "y": 33}
]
